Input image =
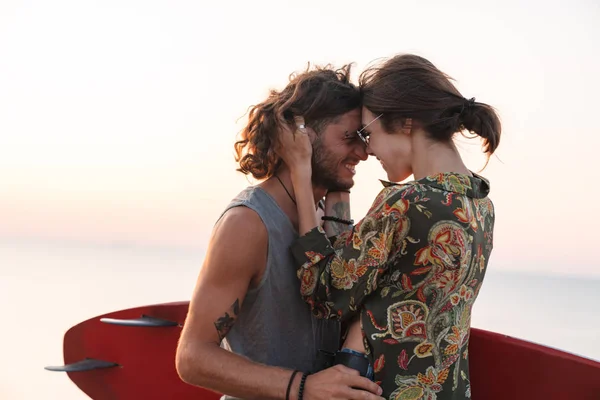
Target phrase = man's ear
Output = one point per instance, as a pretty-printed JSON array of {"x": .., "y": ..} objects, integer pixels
[
  {"x": 312, "y": 135},
  {"x": 301, "y": 126}
]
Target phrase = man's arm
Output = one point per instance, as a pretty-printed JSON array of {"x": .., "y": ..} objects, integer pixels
[
  {"x": 234, "y": 262},
  {"x": 337, "y": 204},
  {"x": 235, "y": 259}
]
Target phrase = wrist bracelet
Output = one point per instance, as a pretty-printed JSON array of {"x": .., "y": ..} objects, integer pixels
[
  {"x": 336, "y": 219},
  {"x": 287, "y": 392},
  {"x": 302, "y": 382}
]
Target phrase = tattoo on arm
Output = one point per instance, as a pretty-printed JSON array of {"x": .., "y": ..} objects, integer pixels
[
  {"x": 225, "y": 322},
  {"x": 340, "y": 209}
]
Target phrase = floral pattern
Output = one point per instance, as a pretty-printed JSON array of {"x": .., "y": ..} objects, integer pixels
[{"x": 412, "y": 268}]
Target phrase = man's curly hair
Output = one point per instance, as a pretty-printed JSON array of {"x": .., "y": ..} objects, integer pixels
[{"x": 320, "y": 95}]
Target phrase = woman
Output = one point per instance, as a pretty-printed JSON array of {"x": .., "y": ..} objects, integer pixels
[{"x": 413, "y": 267}]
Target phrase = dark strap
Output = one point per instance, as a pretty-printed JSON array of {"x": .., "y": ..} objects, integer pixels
[
  {"x": 324, "y": 360},
  {"x": 351, "y": 360}
]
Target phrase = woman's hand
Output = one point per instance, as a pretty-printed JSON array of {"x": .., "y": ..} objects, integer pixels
[
  {"x": 295, "y": 149},
  {"x": 294, "y": 146}
]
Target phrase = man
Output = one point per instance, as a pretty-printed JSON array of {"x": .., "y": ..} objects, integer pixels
[{"x": 247, "y": 329}]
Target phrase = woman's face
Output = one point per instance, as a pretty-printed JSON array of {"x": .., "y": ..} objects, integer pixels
[{"x": 392, "y": 149}]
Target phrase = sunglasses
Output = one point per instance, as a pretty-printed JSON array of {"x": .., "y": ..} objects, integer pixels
[{"x": 364, "y": 136}]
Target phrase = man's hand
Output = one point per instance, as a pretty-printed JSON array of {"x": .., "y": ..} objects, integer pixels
[{"x": 339, "y": 383}]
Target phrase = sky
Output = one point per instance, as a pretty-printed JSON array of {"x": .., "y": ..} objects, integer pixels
[{"x": 118, "y": 118}]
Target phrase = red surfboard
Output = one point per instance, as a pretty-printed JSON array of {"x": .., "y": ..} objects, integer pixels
[{"x": 130, "y": 354}]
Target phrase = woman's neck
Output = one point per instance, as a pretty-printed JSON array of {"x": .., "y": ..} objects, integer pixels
[{"x": 430, "y": 158}]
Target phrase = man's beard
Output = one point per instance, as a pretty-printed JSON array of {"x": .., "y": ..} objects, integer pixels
[{"x": 325, "y": 169}]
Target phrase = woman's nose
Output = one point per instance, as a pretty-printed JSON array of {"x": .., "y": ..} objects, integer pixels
[{"x": 361, "y": 151}]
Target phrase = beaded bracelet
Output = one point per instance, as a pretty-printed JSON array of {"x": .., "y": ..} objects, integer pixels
[
  {"x": 302, "y": 382},
  {"x": 336, "y": 219}
]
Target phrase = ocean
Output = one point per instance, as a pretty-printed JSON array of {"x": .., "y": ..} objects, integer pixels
[{"x": 45, "y": 288}]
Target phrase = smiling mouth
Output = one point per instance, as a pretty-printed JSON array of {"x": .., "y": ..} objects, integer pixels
[{"x": 351, "y": 168}]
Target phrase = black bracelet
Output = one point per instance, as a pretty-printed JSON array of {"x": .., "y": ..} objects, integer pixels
[
  {"x": 301, "y": 389},
  {"x": 287, "y": 393},
  {"x": 336, "y": 219}
]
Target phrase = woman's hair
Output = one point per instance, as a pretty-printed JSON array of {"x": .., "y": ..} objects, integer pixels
[
  {"x": 320, "y": 95},
  {"x": 409, "y": 86}
]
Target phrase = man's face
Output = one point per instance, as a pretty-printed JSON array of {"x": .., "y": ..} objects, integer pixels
[{"x": 337, "y": 151}]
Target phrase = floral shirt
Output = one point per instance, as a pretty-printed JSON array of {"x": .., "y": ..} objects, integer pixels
[{"x": 412, "y": 268}]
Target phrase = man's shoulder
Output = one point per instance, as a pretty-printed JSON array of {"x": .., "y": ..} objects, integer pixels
[
  {"x": 254, "y": 210},
  {"x": 243, "y": 220},
  {"x": 250, "y": 193},
  {"x": 258, "y": 199},
  {"x": 240, "y": 240}
]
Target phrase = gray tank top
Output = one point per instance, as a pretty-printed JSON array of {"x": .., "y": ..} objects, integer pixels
[{"x": 275, "y": 326}]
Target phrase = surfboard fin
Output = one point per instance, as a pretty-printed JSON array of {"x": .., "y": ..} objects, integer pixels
[
  {"x": 143, "y": 321},
  {"x": 87, "y": 364}
]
